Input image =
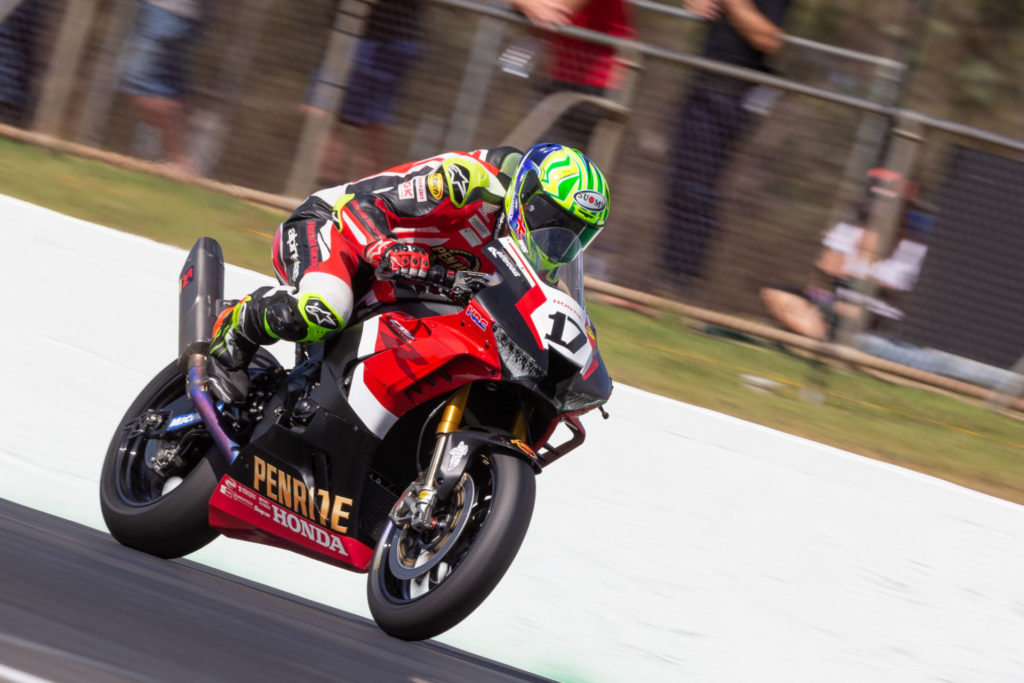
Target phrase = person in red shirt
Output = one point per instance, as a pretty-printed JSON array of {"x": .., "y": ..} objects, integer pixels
[
  {"x": 580, "y": 65},
  {"x": 438, "y": 211}
]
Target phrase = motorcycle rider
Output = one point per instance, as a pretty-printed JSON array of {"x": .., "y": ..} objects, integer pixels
[{"x": 440, "y": 210}]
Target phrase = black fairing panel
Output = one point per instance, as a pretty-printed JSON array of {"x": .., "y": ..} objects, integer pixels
[
  {"x": 590, "y": 392},
  {"x": 312, "y": 443}
]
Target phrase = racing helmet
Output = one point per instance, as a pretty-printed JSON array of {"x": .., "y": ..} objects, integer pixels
[{"x": 556, "y": 187}]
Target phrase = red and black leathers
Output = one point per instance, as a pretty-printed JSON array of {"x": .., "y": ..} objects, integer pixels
[
  {"x": 325, "y": 254},
  {"x": 447, "y": 205}
]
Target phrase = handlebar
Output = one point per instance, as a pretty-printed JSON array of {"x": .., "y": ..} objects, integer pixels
[{"x": 459, "y": 285}]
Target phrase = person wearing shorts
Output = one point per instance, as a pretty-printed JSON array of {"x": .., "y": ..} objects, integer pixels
[{"x": 154, "y": 71}]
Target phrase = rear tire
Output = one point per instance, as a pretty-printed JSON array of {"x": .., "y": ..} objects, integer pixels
[
  {"x": 139, "y": 506},
  {"x": 488, "y": 519},
  {"x": 164, "y": 513}
]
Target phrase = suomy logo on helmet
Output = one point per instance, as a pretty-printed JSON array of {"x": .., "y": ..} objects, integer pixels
[{"x": 590, "y": 200}]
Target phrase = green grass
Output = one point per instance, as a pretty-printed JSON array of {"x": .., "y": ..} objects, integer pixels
[{"x": 948, "y": 437}]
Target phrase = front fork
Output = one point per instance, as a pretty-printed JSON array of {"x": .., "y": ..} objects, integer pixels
[{"x": 416, "y": 507}]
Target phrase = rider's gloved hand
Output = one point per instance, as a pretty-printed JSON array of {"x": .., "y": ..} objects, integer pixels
[{"x": 402, "y": 260}]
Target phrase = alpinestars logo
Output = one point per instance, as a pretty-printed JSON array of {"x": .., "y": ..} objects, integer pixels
[
  {"x": 459, "y": 178},
  {"x": 293, "y": 253},
  {"x": 318, "y": 313}
]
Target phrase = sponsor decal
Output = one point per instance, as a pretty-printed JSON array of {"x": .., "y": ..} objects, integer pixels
[
  {"x": 456, "y": 455},
  {"x": 311, "y": 240},
  {"x": 470, "y": 237},
  {"x": 420, "y": 183},
  {"x": 187, "y": 277},
  {"x": 317, "y": 312},
  {"x": 397, "y": 328},
  {"x": 230, "y": 488},
  {"x": 435, "y": 183},
  {"x": 321, "y": 507},
  {"x": 590, "y": 200},
  {"x": 301, "y": 526},
  {"x": 458, "y": 177},
  {"x": 183, "y": 421},
  {"x": 503, "y": 257},
  {"x": 405, "y": 190},
  {"x": 189, "y": 418},
  {"x": 479, "y": 226},
  {"x": 456, "y": 259},
  {"x": 475, "y": 316}
]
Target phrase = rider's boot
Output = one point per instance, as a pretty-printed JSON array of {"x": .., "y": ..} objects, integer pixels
[
  {"x": 268, "y": 314},
  {"x": 231, "y": 351}
]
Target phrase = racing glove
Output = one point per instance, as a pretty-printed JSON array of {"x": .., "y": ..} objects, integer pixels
[{"x": 397, "y": 259}]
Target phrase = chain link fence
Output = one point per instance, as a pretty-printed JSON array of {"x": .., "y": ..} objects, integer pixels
[{"x": 283, "y": 97}]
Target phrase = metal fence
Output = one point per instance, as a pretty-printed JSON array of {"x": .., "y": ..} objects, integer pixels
[{"x": 270, "y": 97}]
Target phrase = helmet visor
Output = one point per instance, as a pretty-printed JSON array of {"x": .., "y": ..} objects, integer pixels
[{"x": 540, "y": 211}]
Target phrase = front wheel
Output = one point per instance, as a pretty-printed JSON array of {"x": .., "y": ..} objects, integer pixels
[{"x": 423, "y": 583}]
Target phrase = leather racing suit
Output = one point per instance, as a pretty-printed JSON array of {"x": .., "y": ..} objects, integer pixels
[{"x": 444, "y": 209}]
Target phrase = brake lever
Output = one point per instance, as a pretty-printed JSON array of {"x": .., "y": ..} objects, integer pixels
[{"x": 469, "y": 282}]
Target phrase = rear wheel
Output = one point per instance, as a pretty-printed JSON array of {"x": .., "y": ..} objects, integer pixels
[
  {"x": 161, "y": 468},
  {"x": 423, "y": 583}
]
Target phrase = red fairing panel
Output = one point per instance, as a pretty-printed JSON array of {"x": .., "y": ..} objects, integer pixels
[
  {"x": 418, "y": 360},
  {"x": 239, "y": 512}
]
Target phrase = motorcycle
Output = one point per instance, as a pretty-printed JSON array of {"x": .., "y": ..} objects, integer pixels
[{"x": 406, "y": 447}]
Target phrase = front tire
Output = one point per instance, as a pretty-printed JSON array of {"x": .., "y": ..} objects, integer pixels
[{"x": 422, "y": 584}]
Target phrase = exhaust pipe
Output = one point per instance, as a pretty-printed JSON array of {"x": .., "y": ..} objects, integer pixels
[
  {"x": 201, "y": 289},
  {"x": 203, "y": 401}
]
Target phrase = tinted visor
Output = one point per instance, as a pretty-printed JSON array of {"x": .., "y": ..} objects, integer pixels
[
  {"x": 540, "y": 211},
  {"x": 549, "y": 250}
]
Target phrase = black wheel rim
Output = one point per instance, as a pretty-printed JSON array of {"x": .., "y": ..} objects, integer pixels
[
  {"x": 418, "y": 563},
  {"x": 144, "y": 439}
]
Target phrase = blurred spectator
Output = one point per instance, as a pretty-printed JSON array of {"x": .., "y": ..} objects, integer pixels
[
  {"x": 20, "y": 23},
  {"x": 155, "y": 71},
  {"x": 851, "y": 253},
  {"x": 386, "y": 52},
  {"x": 713, "y": 118},
  {"x": 578, "y": 65}
]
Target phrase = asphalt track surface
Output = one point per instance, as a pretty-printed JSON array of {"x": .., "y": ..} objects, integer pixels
[{"x": 77, "y": 606}]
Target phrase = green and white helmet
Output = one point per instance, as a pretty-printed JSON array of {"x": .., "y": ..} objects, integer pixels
[{"x": 556, "y": 187}]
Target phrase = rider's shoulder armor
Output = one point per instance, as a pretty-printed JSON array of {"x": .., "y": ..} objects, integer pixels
[{"x": 477, "y": 176}]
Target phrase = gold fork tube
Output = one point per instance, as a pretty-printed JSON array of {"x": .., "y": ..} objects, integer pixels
[{"x": 452, "y": 417}]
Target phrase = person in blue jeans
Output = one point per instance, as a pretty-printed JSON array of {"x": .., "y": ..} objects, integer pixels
[
  {"x": 386, "y": 52},
  {"x": 154, "y": 71}
]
